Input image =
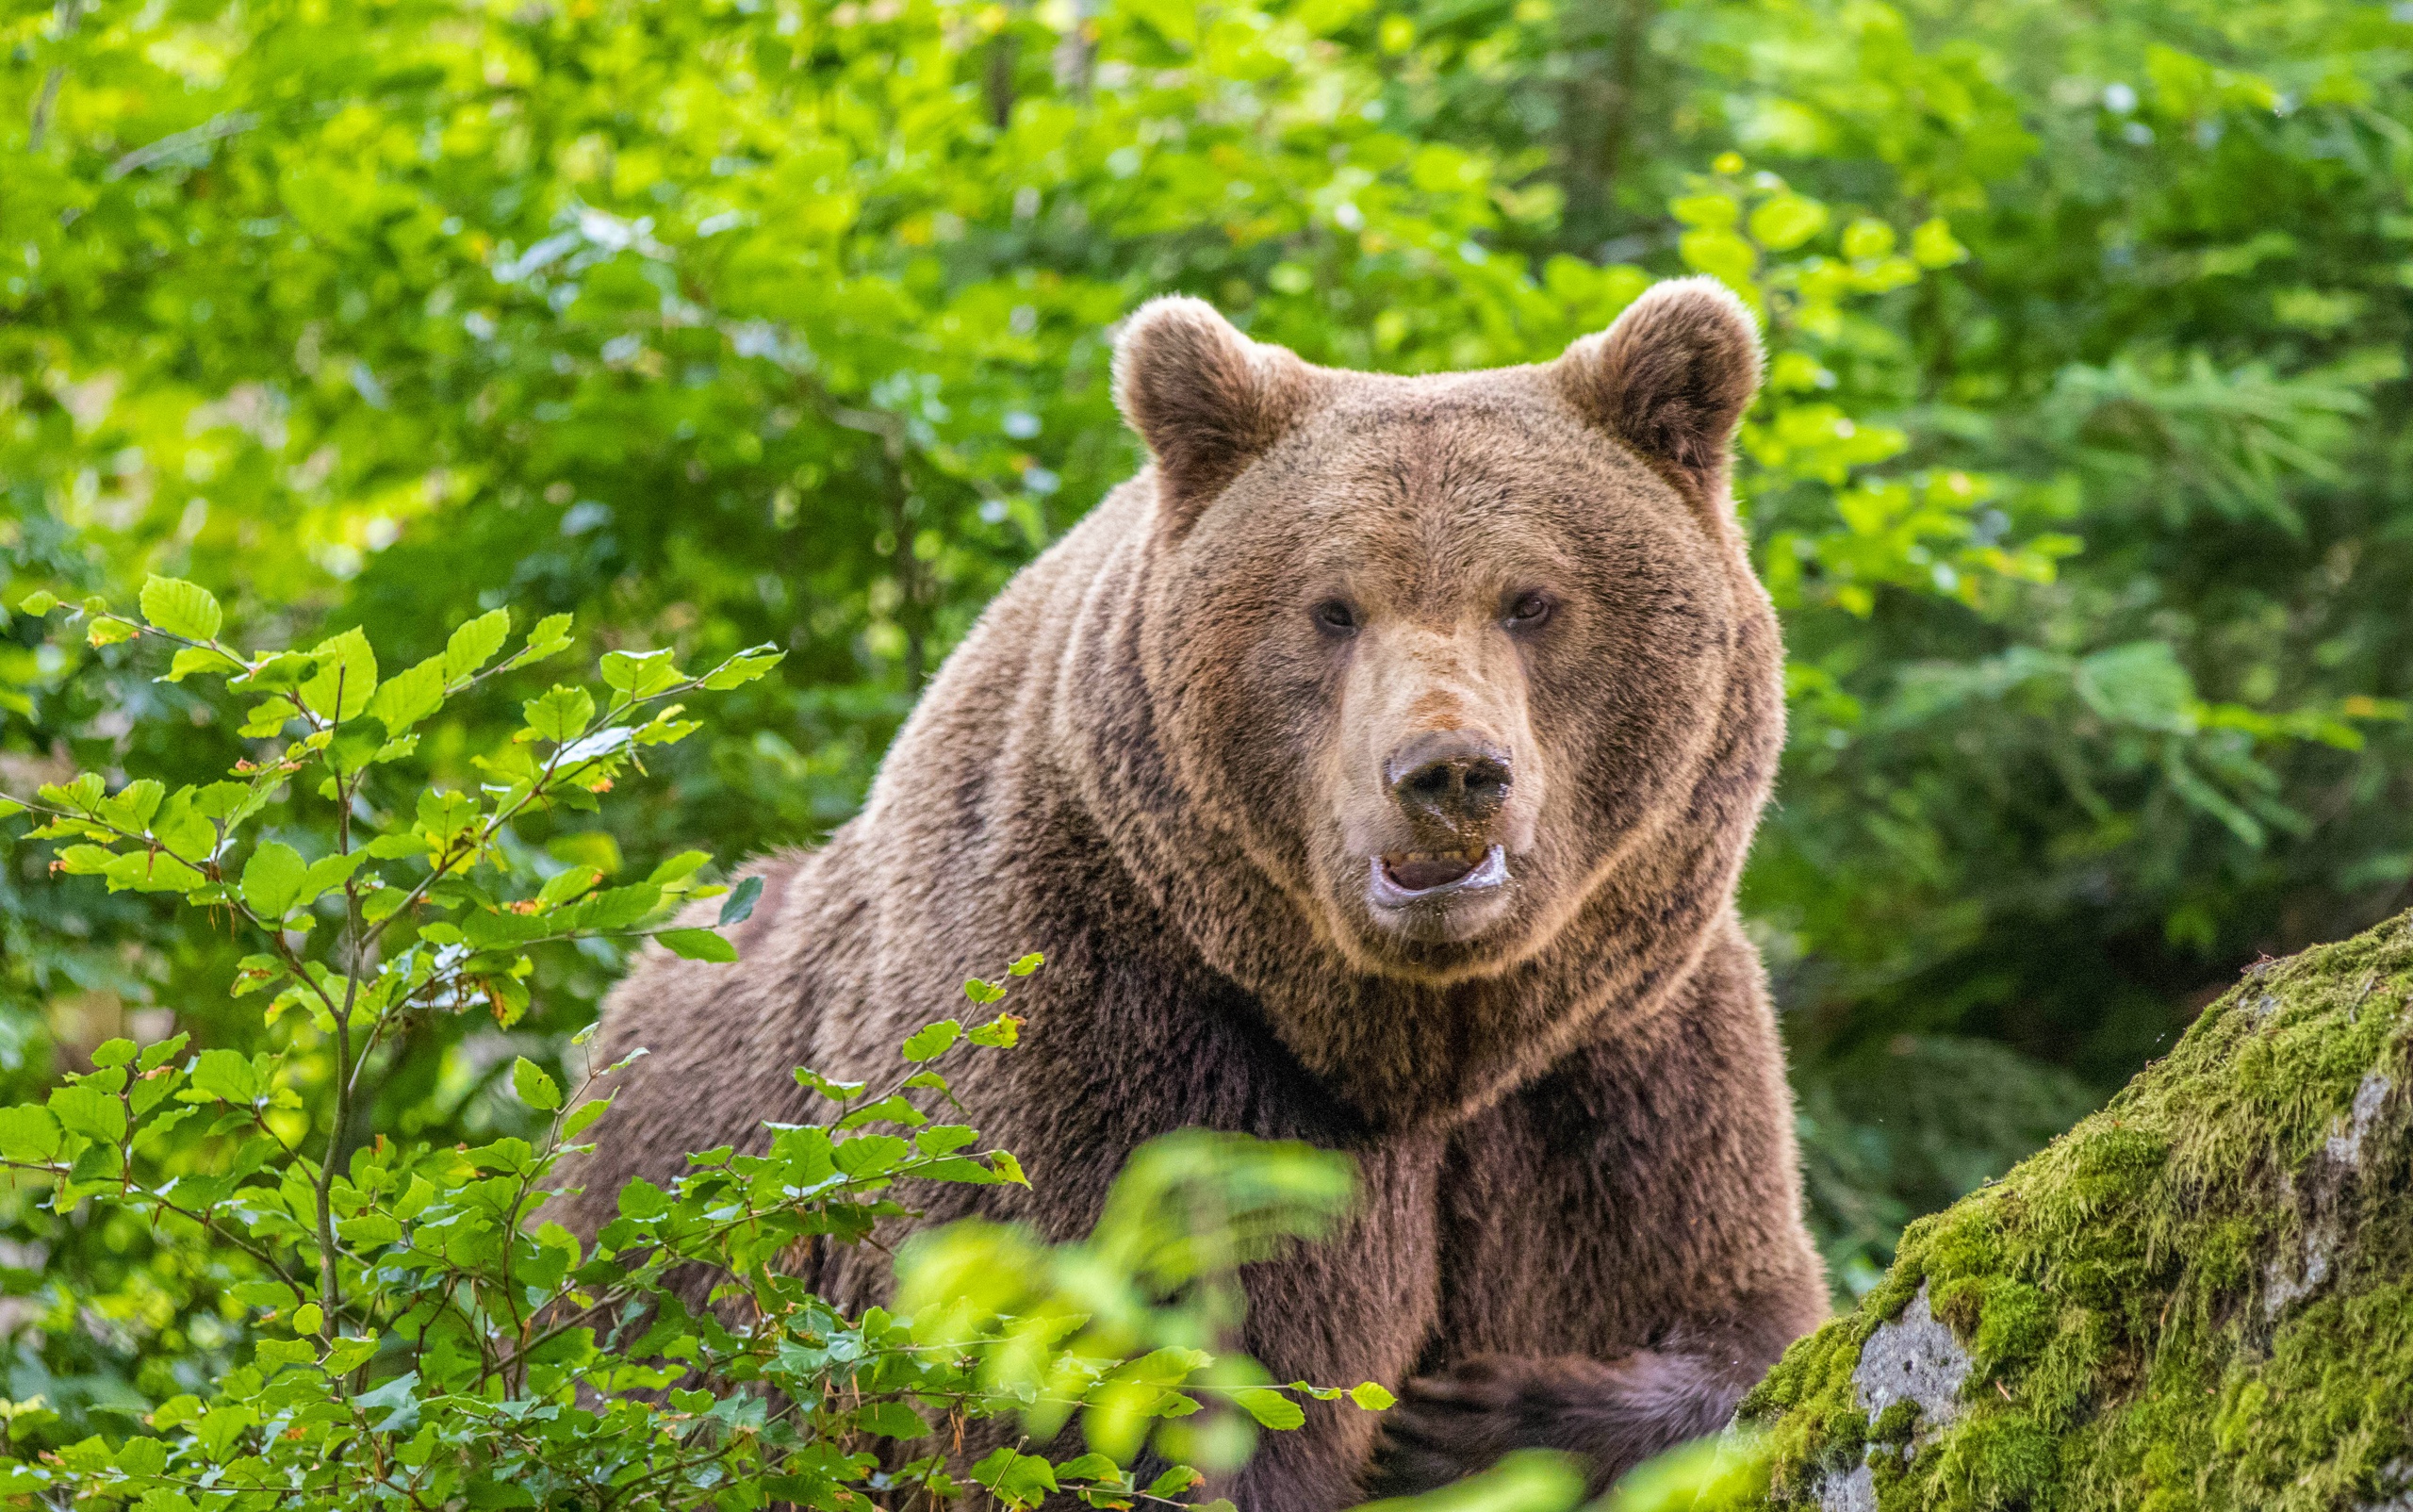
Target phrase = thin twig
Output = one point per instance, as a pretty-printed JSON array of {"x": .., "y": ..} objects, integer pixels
[{"x": 69, "y": 13}]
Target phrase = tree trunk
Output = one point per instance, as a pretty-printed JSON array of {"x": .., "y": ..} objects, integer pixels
[{"x": 2201, "y": 1298}]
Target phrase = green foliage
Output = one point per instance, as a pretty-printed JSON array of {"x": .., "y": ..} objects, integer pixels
[
  {"x": 2079, "y": 478},
  {"x": 410, "y": 1328}
]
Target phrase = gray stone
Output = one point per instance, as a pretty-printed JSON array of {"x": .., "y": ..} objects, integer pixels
[
  {"x": 1914, "y": 1357},
  {"x": 1855, "y": 1493},
  {"x": 2346, "y": 1136}
]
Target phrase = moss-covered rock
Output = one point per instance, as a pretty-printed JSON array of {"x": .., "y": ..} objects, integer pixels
[{"x": 2201, "y": 1298}]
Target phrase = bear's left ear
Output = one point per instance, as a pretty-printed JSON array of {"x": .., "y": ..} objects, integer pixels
[
  {"x": 1670, "y": 378},
  {"x": 1207, "y": 399}
]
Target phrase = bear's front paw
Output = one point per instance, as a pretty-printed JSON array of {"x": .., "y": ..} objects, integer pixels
[
  {"x": 1449, "y": 1426},
  {"x": 1611, "y": 1414}
]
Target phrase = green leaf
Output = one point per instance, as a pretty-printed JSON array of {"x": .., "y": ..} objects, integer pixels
[
  {"x": 280, "y": 673},
  {"x": 696, "y": 944},
  {"x": 643, "y": 1201},
  {"x": 348, "y": 667},
  {"x": 892, "y": 1420},
  {"x": 743, "y": 667},
  {"x": 868, "y": 1156},
  {"x": 582, "y": 1117},
  {"x": 640, "y": 675},
  {"x": 330, "y": 872},
  {"x": 561, "y": 714},
  {"x": 679, "y": 868},
  {"x": 196, "y": 659},
  {"x": 81, "y": 796},
  {"x": 615, "y": 907},
  {"x": 836, "y": 1091},
  {"x": 133, "y": 805},
  {"x": 153, "y": 871},
  {"x": 39, "y": 601},
  {"x": 228, "y": 1074},
  {"x": 739, "y": 906},
  {"x": 1722, "y": 254},
  {"x": 28, "y": 1132},
  {"x": 551, "y": 636},
  {"x": 930, "y": 1043},
  {"x": 473, "y": 644},
  {"x": 1175, "y": 1481},
  {"x": 109, "y": 633},
  {"x": 1018, "y": 1480},
  {"x": 397, "y": 1399},
  {"x": 369, "y": 1230},
  {"x": 570, "y": 883},
  {"x": 2141, "y": 684},
  {"x": 275, "y": 1354},
  {"x": 1026, "y": 965},
  {"x": 183, "y": 826},
  {"x": 1933, "y": 245},
  {"x": 441, "y": 813},
  {"x": 308, "y": 1318},
  {"x": 1372, "y": 1396},
  {"x": 269, "y": 718},
  {"x": 587, "y": 848},
  {"x": 1867, "y": 238},
  {"x": 84, "y": 1109},
  {"x": 1269, "y": 1407},
  {"x": 534, "y": 1087},
  {"x": 143, "y": 1457},
  {"x": 181, "y": 608},
  {"x": 405, "y": 700},
  {"x": 1786, "y": 219},
  {"x": 945, "y": 1139},
  {"x": 1002, "y": 1032},
  {"x": 894, "y": 1109},
  {"x": 413, "y": 1199},
  {"x": 272, "y": 879},
  {"x": 348, "y": 1355},
  {"x": 87, "y": 860},
  {"x": 156, "y": 1056}
]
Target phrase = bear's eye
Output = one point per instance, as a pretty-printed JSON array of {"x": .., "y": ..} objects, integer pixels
[
  {"x": 1528, "y": 611},
  {"x": 1335, "y": 618}
]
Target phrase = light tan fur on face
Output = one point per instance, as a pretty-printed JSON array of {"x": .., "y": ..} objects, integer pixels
[
  {"x": 1409, "y": 677},
  {"x": 1580, "y": 1216}
]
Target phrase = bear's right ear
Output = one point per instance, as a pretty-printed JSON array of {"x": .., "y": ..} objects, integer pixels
[
  {"x": 1206, "y": 398},
  {"x": 1670, "y": 377}
]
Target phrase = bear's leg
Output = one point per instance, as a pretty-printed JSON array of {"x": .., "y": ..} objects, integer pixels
[
  {"x": 1623, "y": 1249},
  {"x": 1610, "y": 1414},
  {"x": 1353, "y": 1307}
]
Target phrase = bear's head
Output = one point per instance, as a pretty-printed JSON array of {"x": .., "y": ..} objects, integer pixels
[{"x": 1453, "y": 661}]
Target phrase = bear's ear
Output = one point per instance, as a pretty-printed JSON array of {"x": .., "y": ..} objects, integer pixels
[
  {"x": 1670, "y": 378},
  {"x": 1206, "y": 398}
]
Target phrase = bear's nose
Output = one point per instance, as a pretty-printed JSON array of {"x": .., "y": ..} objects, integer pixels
[{"x": 1453, "y": 777}]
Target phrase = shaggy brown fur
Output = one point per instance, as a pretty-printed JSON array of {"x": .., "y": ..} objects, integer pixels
[{"x": 1348, "y": 617}]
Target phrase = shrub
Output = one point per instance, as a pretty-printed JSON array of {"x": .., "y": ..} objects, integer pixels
[{"x": 419, "y": 1335}]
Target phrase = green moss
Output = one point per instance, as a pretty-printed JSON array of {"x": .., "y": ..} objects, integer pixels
[
  {"x": 2200, "y": 1298},
  {"x": 1895, "y": 1425}
]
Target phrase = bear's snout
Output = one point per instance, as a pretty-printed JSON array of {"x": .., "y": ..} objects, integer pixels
[{"x": 1449, "y": 780}]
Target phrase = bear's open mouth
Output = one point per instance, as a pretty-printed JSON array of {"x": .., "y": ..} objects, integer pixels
[{"x": 1404, "y": 877}]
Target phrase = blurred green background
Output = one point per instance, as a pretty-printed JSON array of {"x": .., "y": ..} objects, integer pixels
[{"x": 2082, "y": 479}]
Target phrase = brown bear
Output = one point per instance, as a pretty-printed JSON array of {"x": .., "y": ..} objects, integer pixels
[{"x": 1374, "y": 771}]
